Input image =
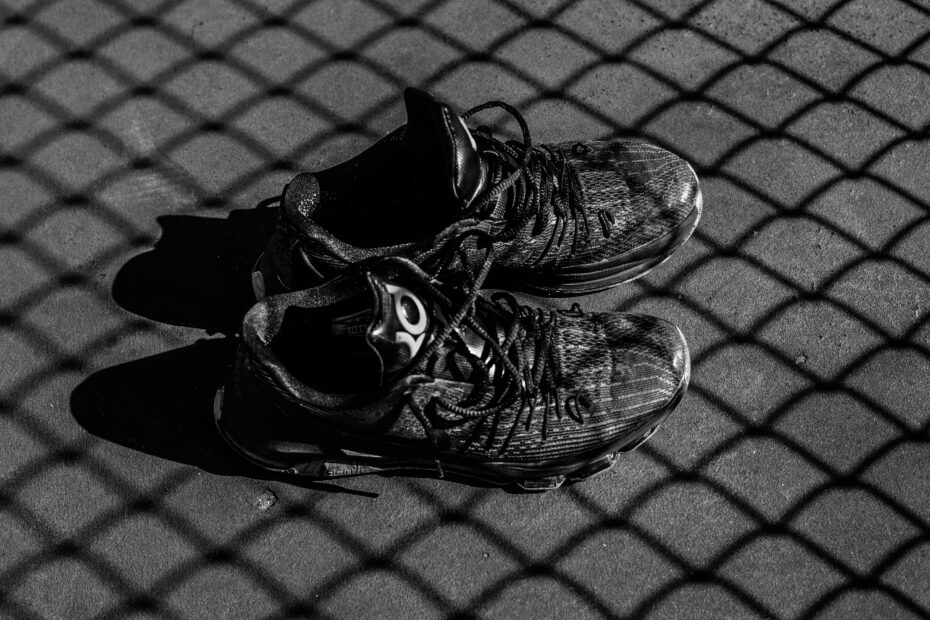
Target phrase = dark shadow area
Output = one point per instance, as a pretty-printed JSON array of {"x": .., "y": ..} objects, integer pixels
[
  {"x": 198, "y": 274},
  {"x": 163, "y": 405}
]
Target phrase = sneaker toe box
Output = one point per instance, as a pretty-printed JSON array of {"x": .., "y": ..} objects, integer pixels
[
  {"x": 651, "y": 366},
  {"x": 638, "y": 192}
]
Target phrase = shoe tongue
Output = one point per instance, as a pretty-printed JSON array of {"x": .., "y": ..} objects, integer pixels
[
  {"x": 448, "y": 166},
  {"x": 403, "y": 324},
  {"x": 395, "y": 322}
]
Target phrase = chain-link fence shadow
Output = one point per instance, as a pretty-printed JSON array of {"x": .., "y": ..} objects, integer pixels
[{"x": 790, "y": 483}]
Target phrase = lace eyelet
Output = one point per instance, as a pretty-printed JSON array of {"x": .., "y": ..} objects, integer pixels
[
  {"x": 579, "y": 148},
  {"x": 574, "y": 311},
  {"x": 574, "y": 405},
  {"x": 607, "y": 221}
]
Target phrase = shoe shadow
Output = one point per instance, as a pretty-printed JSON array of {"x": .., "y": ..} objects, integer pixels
[
  {"x": 199, "y": 272},
  {"x": 161, "y": 405},
  {"x": 197, "y": 275}
]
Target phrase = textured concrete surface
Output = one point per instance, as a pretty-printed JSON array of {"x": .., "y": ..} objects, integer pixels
[{"x": 138, "y": 143}]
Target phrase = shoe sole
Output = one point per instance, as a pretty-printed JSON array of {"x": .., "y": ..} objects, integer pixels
[
  {"x": 608, "y": 274},
  {"x": 316, "y": 461}
]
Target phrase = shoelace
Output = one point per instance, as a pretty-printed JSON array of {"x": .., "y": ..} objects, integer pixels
[
  {"x": 525, "y": 366},
  {"x": 539, "y": 177}
]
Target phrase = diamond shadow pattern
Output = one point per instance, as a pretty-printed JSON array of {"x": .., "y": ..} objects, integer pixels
[{"x": 792, "y": 480}]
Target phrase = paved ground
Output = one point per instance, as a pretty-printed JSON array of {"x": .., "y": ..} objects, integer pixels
[{"x": 137, "y": 141}]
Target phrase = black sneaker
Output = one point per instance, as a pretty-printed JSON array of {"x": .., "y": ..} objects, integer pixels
[
  {"x": 385, "y": 369},
  {"x": 566, "y": 219}
]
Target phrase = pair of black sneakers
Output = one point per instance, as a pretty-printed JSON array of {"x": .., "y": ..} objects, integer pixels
[{"x": 371, "y": 348}]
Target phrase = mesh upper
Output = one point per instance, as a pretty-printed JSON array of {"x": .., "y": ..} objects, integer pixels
[
  {"x": 628, "y": 367},
  {"x": 646, "y": 190}
]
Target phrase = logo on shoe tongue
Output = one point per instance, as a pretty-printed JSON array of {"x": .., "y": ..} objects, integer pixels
[{"x": 411, "y": 314}]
